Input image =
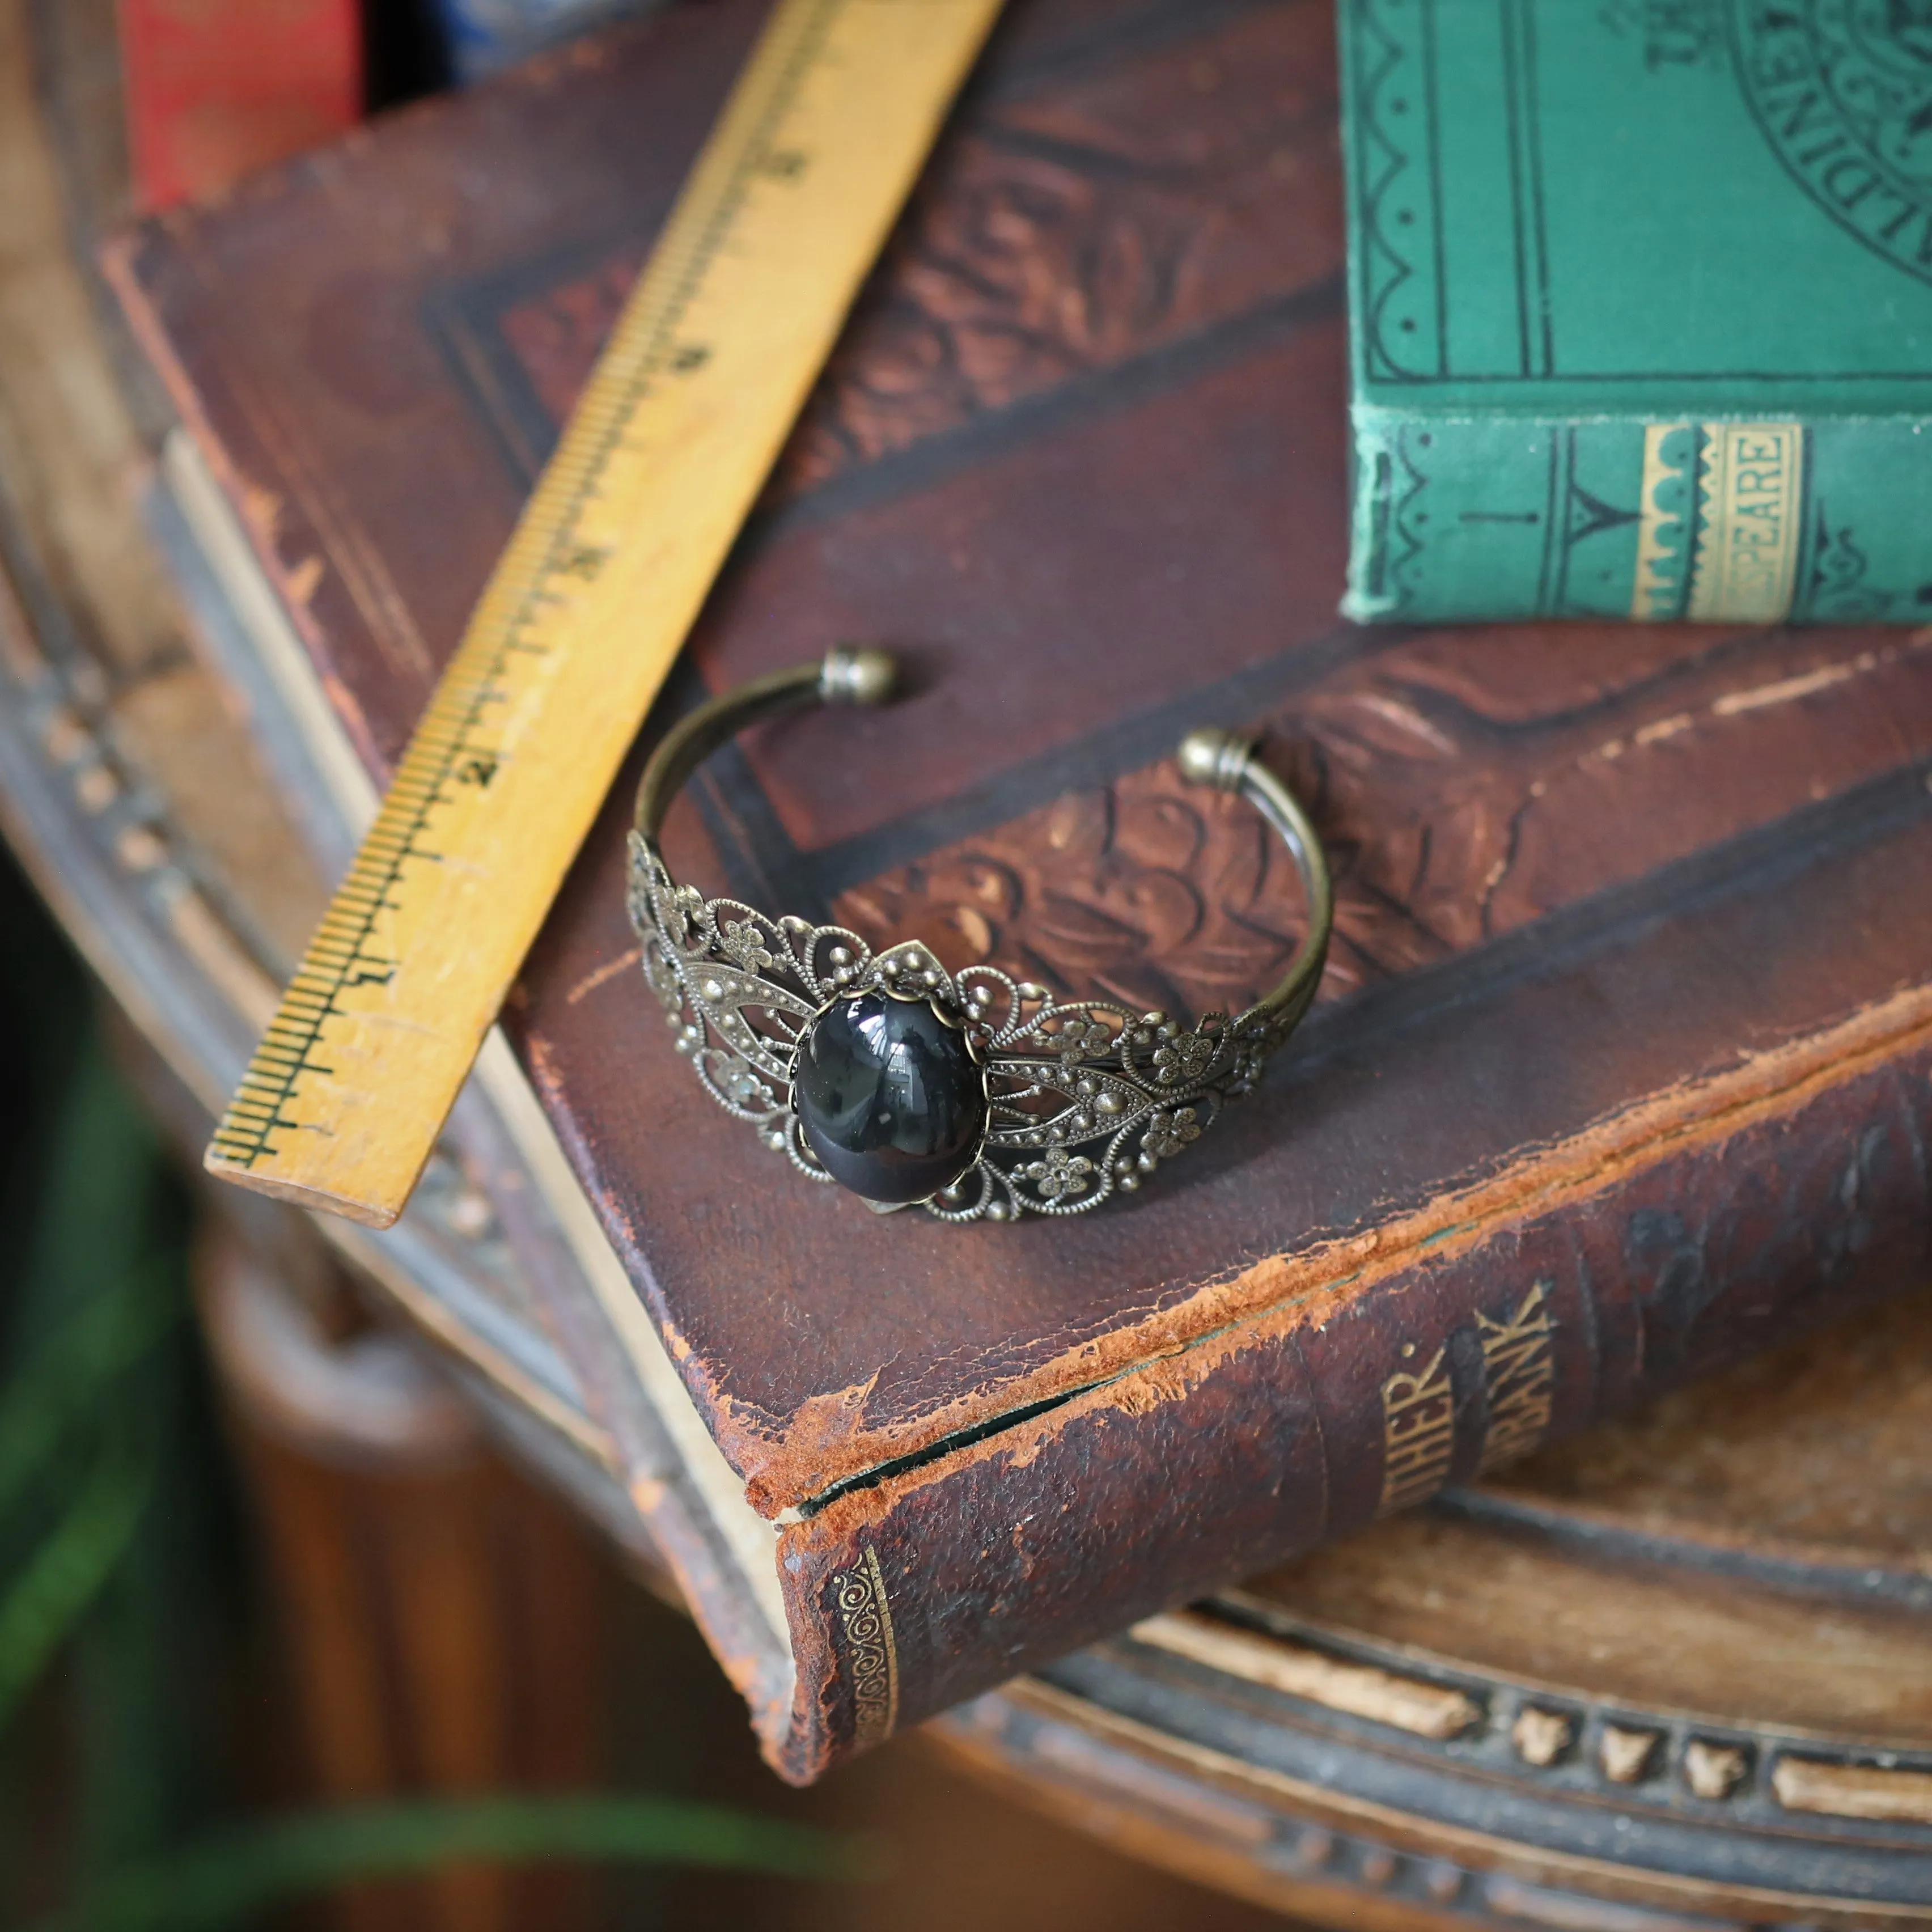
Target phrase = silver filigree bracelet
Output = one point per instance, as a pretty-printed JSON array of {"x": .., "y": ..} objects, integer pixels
[{"x": 976, "y": 1096}]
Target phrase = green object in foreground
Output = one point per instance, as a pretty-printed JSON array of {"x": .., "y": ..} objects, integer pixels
[
  {"x": 63, "y": 1384},
  {"x": 90, "y": 1423},
  {"x": 1641, "y": 306},
  {"x": 222, "y": 1881},
  {"x": 66, "y": 1574}
]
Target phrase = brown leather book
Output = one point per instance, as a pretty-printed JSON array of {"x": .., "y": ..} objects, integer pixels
[{"x": 1620, "y": 1067}]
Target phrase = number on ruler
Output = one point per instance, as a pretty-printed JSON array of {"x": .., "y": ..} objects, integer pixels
[{"x": 391, "y": 995}]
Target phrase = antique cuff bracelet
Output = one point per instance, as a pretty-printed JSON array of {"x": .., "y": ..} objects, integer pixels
[{"x": 977, "y": 1096}]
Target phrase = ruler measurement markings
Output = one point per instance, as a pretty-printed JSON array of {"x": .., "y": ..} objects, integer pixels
[{"x": 493, "y": 701}]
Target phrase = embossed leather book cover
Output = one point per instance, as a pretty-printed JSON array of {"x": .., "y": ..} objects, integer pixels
[
  {"x": 1642, "y": 301},
  {"x": 1620, "y": 1066}
]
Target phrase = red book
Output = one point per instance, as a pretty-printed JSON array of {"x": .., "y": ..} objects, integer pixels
[{"x": 215, "y": 87}]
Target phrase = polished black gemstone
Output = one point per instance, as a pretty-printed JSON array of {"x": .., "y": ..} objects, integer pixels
[{"x": 890, "y": 1098}]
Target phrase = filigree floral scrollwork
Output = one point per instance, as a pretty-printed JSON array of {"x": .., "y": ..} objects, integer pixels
[
  {"x": 685, "y": 923},
  {"x": 1248, "y": 1047},
  {"x": 1087, "y": 1098},
  {"x": 744, "y": 943},
  {"x": 748, "y": 1090},
  {"x": 1182, "y": 1059},
  {"x": 1168, "y": 1132},
  {"x": 1075, "y": 1039},
  {"x": 1060, "y": 1176}
]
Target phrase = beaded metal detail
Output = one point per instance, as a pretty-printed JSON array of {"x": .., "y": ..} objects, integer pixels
[{"x": 1084, "y": 1099}]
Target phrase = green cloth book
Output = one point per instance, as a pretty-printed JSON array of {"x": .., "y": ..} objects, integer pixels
[{"x": 1641, "y": 296}]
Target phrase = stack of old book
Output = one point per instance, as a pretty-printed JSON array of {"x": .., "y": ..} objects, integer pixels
[{"x": 1619, "y": 1073}]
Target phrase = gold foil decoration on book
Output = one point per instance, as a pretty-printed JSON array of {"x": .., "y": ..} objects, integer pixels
[
  {"x": 1752, "y": 497},
  {"x": 1418, "y": 1433},
  {"x": 1722, "y": 547},
  {"x": 871, "y": 1657},
  {"x": 1519, "y": 1378},
  {"x": 1663, "y": 526}
]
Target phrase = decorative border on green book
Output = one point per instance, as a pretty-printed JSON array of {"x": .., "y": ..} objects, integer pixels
[
  {"x": 1723, "y": 521},
  {"x": 1840, "y": 92},
  {"x": 1398, "y": 248},
  {"x": 1402, "y": 287}
]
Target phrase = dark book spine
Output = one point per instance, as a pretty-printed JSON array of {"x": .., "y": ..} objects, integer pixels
[{"x": 1659, "y": 1246}]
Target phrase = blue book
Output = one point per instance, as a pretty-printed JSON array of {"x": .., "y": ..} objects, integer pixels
[{"x": 480, "y": 36}]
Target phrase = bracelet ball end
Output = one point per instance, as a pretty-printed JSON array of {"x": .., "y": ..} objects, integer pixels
[
  {"x": 1217, "y": 758},
  {"x": 855, "y": 674}
]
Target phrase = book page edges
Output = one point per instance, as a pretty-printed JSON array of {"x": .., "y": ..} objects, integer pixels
[{"x": 224, "y": 545}]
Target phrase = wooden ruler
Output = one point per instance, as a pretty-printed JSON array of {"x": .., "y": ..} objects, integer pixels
[{"x": 730, "y": 323}]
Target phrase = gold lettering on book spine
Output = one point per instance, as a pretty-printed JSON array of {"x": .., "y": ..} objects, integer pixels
[
  {"x": 1418, "y": 1433},
  {"x": 1519, "y": 1377},
  {"x": 1751, "y": 491},
  {"x": 872, "y": 1657}
]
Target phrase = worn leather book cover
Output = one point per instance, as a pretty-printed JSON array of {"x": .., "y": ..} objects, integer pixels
[
  {"x": 1619, "y": 1071},
  {"x": 1642, "y": 303}
]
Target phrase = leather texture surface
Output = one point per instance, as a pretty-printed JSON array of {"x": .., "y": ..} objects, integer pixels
[{"x": 1621, "y": 1052}]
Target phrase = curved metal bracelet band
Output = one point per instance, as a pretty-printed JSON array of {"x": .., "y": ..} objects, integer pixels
[{"x": 1083, "y": 1099}]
